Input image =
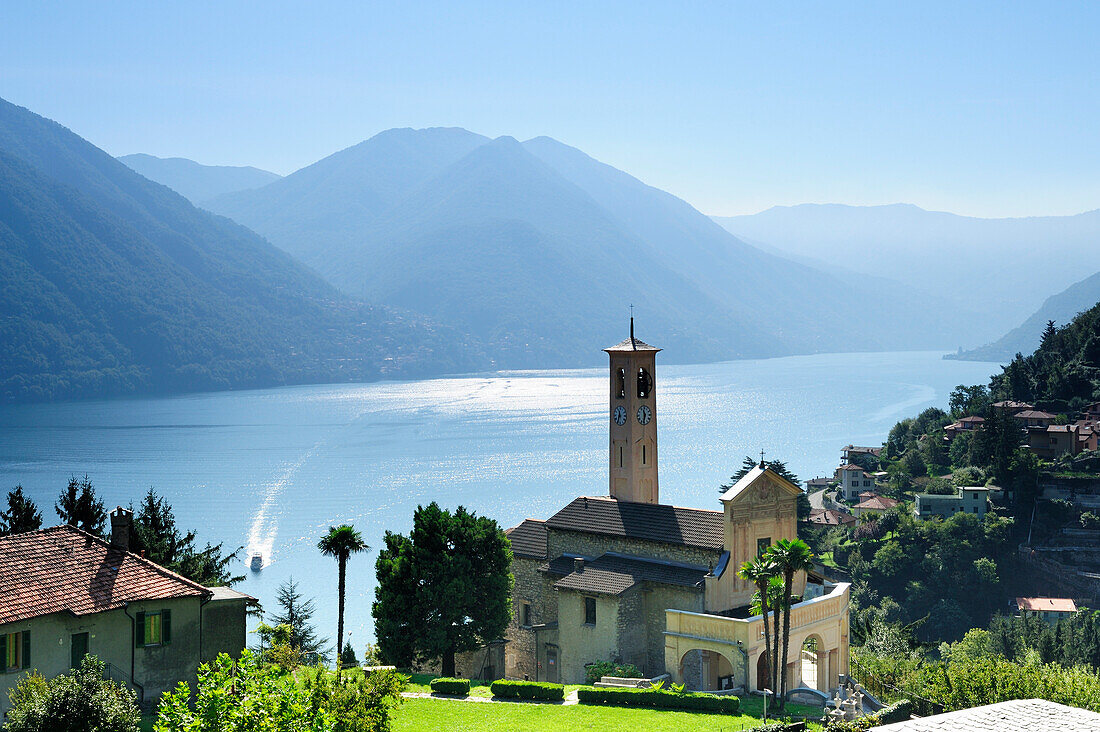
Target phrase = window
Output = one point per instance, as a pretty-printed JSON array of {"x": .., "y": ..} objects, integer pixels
[
  {"x": 622, "y": 384},
  {"x": 526, "y": 613},
  {"x": 643, "y": 454},
  {"x": 589, "y": 611},
  {"x": 762, "y": 545},
  {"x": 645, "y": 384},
  {"x": 153, "y": 629},
  {"x": 15, "y": 651},
  {"x": 620, "y": 456},
  {"x": 855, "y": 484},
  {"x": 866, "y": 484}
]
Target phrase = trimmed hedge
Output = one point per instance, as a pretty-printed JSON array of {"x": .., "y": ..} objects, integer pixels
[
  {"x": 897, "y": 712},
  {"x": 593, "y": 672},
  {"x": 452, "y": 687},
  {"x": 528, "y": 690},
  {"x": 660, "y": 699}
]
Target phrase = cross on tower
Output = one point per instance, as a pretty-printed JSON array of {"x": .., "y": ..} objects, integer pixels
[{"x": 762, "y": 459}]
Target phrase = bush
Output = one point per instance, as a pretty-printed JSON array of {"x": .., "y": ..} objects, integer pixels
[
  {"x": 74, "y": 702},
  {"x": 528, "y": 690},
  {"x": 899, "y": 711},
  {"x": 593, "y": 672},
  {"x": 453, "y": 687},
  {"x": 660, "y": 699}
]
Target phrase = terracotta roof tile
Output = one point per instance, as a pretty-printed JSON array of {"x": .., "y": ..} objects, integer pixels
[
  {"x": 877, "y": 503},
  {"x": 647, "y": 521},
  {"x": 1050, "y": 604},
  {"x": 63, "y": 569}
]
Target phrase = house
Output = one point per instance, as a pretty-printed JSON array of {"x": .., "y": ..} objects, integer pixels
[
  {"x": 872, "y": 504},
  {"x": 851, "y": 453},
  {"x": 1017, "y": 715},
  {"x": 1011, "y": 407},
  {"x": 68, "y": 593},
  {"x": 968, "y": 499},
  {"x": 1050, "y": 609},
  {"x": 624, "y": 577},
  {"x": 966, "y": 424},
  {"x": 852, "y": 479},
  {"x": 818, "y": 484},
  {"x": 829, "y": 517},
  {"x": 1034, "y": 418},
  {"x": 1059, "y": 439}
]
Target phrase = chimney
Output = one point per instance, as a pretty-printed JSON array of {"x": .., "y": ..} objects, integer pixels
[
  {"x": 120, "y": 528},
  {"x": 578, "y": 564}
]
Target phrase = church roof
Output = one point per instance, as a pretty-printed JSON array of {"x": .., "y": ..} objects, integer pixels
[
  {"x": 751, "y": 477},
  {"x": 632, "y": 344},
  {"x": 614, "y": 574},
  {"x": 528, "y": 539},
  {"x": 694, "y": 527}
]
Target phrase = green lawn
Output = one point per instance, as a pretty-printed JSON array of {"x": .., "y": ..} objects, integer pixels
[{"x": 460, "y": 716}]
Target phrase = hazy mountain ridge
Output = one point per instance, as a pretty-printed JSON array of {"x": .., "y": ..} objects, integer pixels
[
  {"x": 559, "y": 244},
  {"x": 991, "y": 273},
  {"x": 1025, "y": 338},
  {"x": 194, "y": 181},
  {"x": 113, "y": 285}
]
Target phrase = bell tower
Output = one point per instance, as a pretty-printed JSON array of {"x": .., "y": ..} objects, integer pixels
[{"x": 632, "y": 443}]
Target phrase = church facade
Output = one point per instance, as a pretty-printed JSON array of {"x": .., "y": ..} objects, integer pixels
[{"x": 622, "y": 577}]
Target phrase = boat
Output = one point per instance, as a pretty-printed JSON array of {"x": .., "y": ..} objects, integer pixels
[{"x": 257, "y": 562}]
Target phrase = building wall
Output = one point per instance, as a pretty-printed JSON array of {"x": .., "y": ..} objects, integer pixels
[
  {"x": 593, "y": 545},
  {"x": 582, "y": 643},
  {"x": 537, "y": 589},
  {"x": 111, "y": 638},
  {"x": 658, "y": 599}
]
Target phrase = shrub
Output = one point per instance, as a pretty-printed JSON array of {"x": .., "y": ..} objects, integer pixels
[
  {"x": 528, "y": 690},
  {"x": 74, "y": 702},
  {"x": 453, "y": 687},
  {"x": 593, "y": 672},
  {"x": 660, "y": 699},
  {"x": 899, "y": 711}
]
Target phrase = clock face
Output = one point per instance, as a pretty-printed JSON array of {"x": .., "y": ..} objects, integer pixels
[
  {"x": 644, "y": 414},
  {"x": 619, "y": 415}
]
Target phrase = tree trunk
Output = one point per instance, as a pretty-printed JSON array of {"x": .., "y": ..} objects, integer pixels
[
  {"x": 449, "y": 663},
  {"x": 788, "y": 580},
  {"x": 340, "y": 613},
  {"x": 767, "y": 636}
]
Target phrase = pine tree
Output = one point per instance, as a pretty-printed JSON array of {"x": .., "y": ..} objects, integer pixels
[
  {"x": 78, "y": 506},
  {"x": 1048, "y": 335},
  {"x": 22, "y": 515},
  {"x": 154, "y": 531},
  {"x": 297, "y": 613}
]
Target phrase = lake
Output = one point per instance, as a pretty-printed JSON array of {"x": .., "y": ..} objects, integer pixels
[{"x": 271, "y": 469}]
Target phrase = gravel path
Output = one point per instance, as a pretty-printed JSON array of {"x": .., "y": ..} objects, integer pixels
[{"x": 570, "y": 698}]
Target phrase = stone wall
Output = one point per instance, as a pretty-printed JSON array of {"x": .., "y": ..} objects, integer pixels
[
  {"x": 658, "y": 599},
  {"x": 535, "y": 588},
  {"x": 593, "y": 545}
]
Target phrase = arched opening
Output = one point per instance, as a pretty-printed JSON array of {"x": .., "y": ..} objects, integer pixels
[
  {"x": 763, "y": 672},
  {"x": 645, "y": 383},
  {"x": 621, "y": 394},
  {"x": 708, "y": 671},
  {"x": 809, "y": 662}
]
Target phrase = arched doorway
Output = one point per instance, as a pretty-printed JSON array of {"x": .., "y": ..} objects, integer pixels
[
  {"x": 763, "y": 672},
  {"x": 809, "y": 657},
  {"x": 709, "y": 671}
]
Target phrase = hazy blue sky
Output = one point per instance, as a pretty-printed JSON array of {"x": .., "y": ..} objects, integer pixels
[{"x": 985, "y": 109}]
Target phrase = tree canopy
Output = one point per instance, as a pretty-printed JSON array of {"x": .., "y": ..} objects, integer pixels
[
  {"x": 21, "y": 516},
  {"x": 443, "y": 589},
  {"x": 79, "y": 506}
]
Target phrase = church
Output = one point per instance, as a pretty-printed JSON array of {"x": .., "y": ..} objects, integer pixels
[{"x": 623, "y": 577}]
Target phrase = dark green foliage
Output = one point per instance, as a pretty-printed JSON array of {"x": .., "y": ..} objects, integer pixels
[
  {"x": 660, "y": 699},
  {"x": 111, "y": 284},
  {"x": 81, "y": 701},
  {"x": 527, "y": 690},
  {"x": 78, "y": 506},
  {"x": 22, "y": 515},
  {"x": 969, "y": 401},
  {"x": 444, "y": 589},
  {"x": 1071, "y": 641},
  {"x": 593, "y": 672},
  {"x": 296, "y": 612},
  {"x": 154, "y": 531},
  {"x": 899, "y": 711},
  {"x": 451, "y": 687}
]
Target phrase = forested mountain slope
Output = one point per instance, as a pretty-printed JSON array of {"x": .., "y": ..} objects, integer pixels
[
  {"x": 112, "y": 284},
  {"x": 195, "y": 181}
]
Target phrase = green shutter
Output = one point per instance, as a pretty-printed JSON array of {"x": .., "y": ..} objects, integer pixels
[
  {"x": 165, "y": 626},
  {"x": 26, "y": 649},
  {"x": 3, "y": 653},
  {"x": 139, "y": 631}
]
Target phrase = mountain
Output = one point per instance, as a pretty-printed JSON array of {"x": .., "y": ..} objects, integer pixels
[
  {"x": 198, "y": 182},
  {"x": 537, "y": 249},
  {"x": 1061, "y": 308},
  {"x": 111, "y": 284},
  {"x": 991, "y": 273}
]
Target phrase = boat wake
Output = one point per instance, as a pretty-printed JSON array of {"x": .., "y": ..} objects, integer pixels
[{"x": 265, "y": 524}]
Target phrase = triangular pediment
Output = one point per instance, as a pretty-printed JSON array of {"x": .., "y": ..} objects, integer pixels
[{"x": 760, "y": 485}]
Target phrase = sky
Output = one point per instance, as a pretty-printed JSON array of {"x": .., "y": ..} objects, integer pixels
[{"x": 984, "y": 109}]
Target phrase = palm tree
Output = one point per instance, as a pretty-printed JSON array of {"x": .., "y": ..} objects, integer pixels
[
  {"x": 341, "y": 542},
  {"x": 791, "y": 557},
  {"x": 761, "y": 571}
]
